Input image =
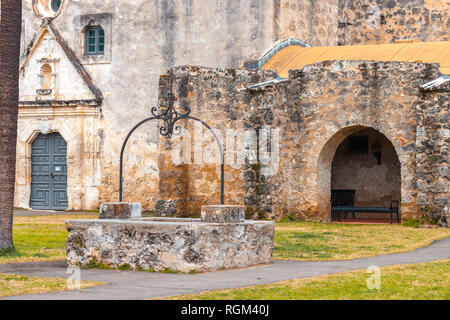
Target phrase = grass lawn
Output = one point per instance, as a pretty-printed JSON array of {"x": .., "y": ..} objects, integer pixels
[
  {"x": 40, "y": 238},
  {"x": 424, "y": 281},
  {"x": 43, "y": 238},
  {"x": 301, "y": 240},
  {"x": 11, "y": 284}
]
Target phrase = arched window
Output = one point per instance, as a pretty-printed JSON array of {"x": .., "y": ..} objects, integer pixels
[
  {"x": 94, "y": 41},
  {"x": 56, "y": 4},
  {"x": 46, "y": 77}
]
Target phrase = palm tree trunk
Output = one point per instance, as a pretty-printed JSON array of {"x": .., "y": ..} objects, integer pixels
[{"x": 10, "y": 33}]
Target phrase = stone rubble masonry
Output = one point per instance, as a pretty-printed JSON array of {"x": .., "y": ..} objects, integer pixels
[
  {"x": 120, "y": 210},
  {"x": 315, "y": 110},
  {"x": 158, "y": 244},
  {"x": 385, "y": 21},
  {"x": 169, "y": 208},
  {"x": 223, "y": 214},
  {"x": 432, "y": 156}
]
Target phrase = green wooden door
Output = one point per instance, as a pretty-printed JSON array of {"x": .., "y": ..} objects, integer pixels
[{"x": 49, "y": 172}]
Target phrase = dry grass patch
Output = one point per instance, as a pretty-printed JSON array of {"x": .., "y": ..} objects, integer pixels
[
  {"x": 302, "y": 240},
  {"x": 12, "y": 284},
  {"x": 424, "y": 281},
  {"x": 40, "y": 238}
]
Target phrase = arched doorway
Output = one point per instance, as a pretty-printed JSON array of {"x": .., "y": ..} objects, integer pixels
[
  {"x": 361, "y": 164},
  {"x": 49, "y": 172}
]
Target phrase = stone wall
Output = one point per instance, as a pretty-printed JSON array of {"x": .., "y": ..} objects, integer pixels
[
  {"x": 314, "y": 111},
  {"x": 328, "y": 101},
  {"x": 315, "y": 22},
  {"x": 182, "y": 245},
  {"x": 432, "y": 158},
  {"x": 212, "y": 96},
  {"x": 385, "y": 21}
]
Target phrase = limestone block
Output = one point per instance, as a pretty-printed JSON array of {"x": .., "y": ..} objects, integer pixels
[
  {"x": 223, "y": 214},
  {"x": 170, "y": 208},
  {"x": 120, "y": 210}
]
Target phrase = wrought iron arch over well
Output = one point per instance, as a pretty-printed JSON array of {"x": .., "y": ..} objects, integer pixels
[{"x": 170, "y": 116}]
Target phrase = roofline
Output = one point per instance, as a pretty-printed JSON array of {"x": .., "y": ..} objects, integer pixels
[
  {"x": 277, "y": 46},
  {"x": 356, "y": 52},
  {"x": 436, "y": 84},
  {"x": 50, "y": 103}
]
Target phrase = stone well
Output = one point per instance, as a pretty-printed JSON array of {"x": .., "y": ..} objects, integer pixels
[{"x": 221, "y": 239}]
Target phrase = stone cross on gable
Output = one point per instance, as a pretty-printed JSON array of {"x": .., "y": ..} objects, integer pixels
[{"x": 47, "y": 42}]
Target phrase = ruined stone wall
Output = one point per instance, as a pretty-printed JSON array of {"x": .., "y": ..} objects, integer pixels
[
  {"x": 314, "y": 111},
  {"x": 385, "y": 21},
  {"x": 432, "y": 169},
  {"x": 194, "y": 155},
  {"x": 335, "y": 99}
]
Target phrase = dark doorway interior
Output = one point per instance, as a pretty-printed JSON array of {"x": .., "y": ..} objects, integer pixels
[{"x": 366, "y": 166}]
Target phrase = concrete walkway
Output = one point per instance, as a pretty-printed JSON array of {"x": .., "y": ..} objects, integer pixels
[{"x": 147, "y": 285}]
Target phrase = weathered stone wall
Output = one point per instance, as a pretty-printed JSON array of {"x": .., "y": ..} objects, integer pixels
[
  {"x": 315, "y": 110},
  {"x": 179, "y": 245},
  {"x": 375, "y": 21},
  {"x": 315, "y": 22},
  {"x": 328, "y": 101},
  {"x": 432, "y": 158},
  {"x": 212, "y": 96}
]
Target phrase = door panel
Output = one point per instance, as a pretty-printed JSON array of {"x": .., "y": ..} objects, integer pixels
[{"x": 49, "y": 172}]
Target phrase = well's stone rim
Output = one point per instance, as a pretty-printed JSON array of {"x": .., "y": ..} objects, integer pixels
[{"x": 142, "y": 222}]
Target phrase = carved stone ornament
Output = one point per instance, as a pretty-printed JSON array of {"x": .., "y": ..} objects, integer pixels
[
  {"x": 44, "y": 92},
  {"x": 44, "y": 126}
]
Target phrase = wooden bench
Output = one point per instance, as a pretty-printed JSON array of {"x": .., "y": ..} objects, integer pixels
[{"x": 343, "y": 201}]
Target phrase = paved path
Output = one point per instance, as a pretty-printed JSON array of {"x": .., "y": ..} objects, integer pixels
[{"x": 145, "y": 285}]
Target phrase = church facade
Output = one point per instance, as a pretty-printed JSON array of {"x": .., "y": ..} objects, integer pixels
[{"x": 90, "y": 71}]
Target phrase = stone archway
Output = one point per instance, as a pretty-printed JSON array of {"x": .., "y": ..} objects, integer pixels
[{"x": 342, "y": 167}]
